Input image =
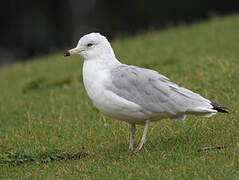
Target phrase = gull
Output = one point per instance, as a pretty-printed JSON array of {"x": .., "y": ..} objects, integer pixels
[{"x": 133, "y": 94}]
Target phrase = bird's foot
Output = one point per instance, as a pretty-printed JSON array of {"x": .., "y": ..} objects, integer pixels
[
  {"x": 131, "y": 148},
  {"x": 139, "y": 148}
]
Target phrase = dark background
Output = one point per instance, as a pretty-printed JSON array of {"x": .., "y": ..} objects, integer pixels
[{"x": 37, "y": 27}]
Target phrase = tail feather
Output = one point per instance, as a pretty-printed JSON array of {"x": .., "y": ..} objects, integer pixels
[{"x": 219, "y": 108}]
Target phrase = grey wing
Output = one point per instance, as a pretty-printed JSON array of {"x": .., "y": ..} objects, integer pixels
[{"x": 154, "y": 92}]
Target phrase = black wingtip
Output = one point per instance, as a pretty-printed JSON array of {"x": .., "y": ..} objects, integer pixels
[{"x": 219, "y": 108}]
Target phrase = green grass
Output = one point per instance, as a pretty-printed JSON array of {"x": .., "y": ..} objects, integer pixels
[{"x": 50, "y": 130}]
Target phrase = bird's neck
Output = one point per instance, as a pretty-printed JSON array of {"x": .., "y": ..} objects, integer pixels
[{"x": 101, "y": 62}]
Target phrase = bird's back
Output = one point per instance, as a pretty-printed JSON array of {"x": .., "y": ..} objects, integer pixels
[{"x": 155, "y": 93}]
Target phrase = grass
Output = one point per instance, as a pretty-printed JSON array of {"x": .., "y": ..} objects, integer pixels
[{"x": 50, "y": 130}]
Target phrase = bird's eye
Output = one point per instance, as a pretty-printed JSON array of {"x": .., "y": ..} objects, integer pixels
[{"x": 90, "y": 44}]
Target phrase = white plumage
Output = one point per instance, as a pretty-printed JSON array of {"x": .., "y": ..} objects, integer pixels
[{"x": 133, "y": 94}]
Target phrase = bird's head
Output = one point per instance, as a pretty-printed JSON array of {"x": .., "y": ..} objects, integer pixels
[{"x": 92, "y": 46}]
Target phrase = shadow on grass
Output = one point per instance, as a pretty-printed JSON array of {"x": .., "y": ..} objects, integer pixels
[
  {"x": 193, "y": 143},
  {"x": 182, "y": 144},
  {"x": 16, "y": 158}
]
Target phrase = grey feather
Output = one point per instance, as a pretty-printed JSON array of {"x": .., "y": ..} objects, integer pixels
[{"x": 155, "y": 93}]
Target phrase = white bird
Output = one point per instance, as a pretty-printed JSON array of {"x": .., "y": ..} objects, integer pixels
[{"x": 133, "y": 94}]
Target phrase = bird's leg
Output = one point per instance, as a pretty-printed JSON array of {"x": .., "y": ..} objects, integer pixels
[
  {"x": 131, "y": 140},
  {"x": 143, "y": 139}
]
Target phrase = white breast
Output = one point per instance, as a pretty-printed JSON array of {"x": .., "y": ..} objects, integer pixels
[{"x": 95, "y": 76}]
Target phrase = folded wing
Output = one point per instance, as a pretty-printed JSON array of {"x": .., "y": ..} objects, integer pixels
[{"x": 155, "y": 93}]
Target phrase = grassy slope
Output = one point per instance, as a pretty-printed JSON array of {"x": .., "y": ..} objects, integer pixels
[{"x": 45, "y": 114}]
